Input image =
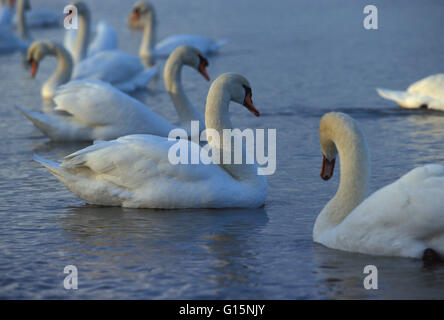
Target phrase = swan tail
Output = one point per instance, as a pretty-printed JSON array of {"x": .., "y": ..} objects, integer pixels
[
  {"x": 40, "y": 120},
  {"x": 52, "y": 166},
  {"x": 53, "y": 126},
  {"x": 404, "y": 98}
]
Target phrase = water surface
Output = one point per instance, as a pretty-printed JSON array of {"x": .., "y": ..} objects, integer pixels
[{"x": 303, "y": 58}]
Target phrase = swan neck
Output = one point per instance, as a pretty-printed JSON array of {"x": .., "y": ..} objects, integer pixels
[
  {"x": 217, "y": 118},
  {"x": 146, "y": 51},
  {"x": 21, "y": 20},
  {"x": 354, "y": 179},
  {"x": 62, "y": 73},
  {"x": 82, "y": 38},
  {"x": 173, "y": 84},
  {"x": 216, "y": 111}
]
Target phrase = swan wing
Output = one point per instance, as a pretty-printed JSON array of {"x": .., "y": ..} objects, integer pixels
[
  {"x": 112, "y": 66},
  {"x": 401, "y": 218},
  {"x": 428, "y": 92},
  {"x": 91, "y": 102},
  {"x": 432, "y": 86},
  {"x": 405, "y": 99},
  {"x": 135, "y": 171},
  {"x": 91, "y": 109},
  {"x": 99, "y": 105},
  {"x": 105, "y": 39}
]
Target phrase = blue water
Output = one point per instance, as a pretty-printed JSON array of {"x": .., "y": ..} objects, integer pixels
[{"x": 303, "y": 58}]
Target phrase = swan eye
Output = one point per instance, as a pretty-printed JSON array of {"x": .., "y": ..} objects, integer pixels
[
  {"x": 248, "y": 101},
  {"x": 203, "y": 61},
  {"x": 248, "y": 92}
]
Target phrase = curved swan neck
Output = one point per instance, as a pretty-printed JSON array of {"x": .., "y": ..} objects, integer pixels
[
  {"x": 146, "y": 51},
  {"x": 21, "y": 20},
  {"x": 63, "y": 71},
  {"x": 82, "y": 39},
  {"x": 173, "y": 84},
  {"x": 217, "y": 118},
  {"x": 355, "y": 172}
]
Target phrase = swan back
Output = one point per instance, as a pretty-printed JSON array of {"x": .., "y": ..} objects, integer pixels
[{"x": 432, "y": 86}]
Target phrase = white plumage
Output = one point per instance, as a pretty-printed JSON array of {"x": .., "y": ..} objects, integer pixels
[
  {"x": 426, "y": 93},
  {"x": 402, "y": 219}
]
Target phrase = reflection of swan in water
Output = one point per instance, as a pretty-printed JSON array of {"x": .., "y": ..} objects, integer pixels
[
  {"x": 164, "y": 254},
  {"x": 340, "y": 276}
]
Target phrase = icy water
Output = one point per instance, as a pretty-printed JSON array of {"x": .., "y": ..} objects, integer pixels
[{"x": 303, "y": 58}]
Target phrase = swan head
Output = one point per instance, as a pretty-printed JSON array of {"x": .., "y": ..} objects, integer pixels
[
  {"x": 239, "y": 89},
  {"x": 140, "y": 9},
  {"x": 36, "y": 52},
  {"x": 192, "y": 57},
  {"x": 335, "y": 129}
]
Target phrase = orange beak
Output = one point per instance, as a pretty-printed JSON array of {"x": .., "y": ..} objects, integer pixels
[
  {"x": 203, "y": 64},
  {"x": 327, "y": 168},
  {"x": 203, "y": 71},
  {"x": 248, "y": 103},
  {"x": 34, "y": 67}
]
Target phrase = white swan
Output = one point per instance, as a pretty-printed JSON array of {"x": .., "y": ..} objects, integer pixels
[
  {"x": 77, "y": 41},
  {"x": 9, "y": 42},
  {"x": 130, "y": 76},
  {"x": 427, "y": 93},
  {"x": 35, "y": 18},
  {"x": 91, "y": 109},
  {"x": 144, "y": 14},
  {"x": 405, "y": 218},
  {"x": 135, "y": 171},
  {"x": 6, "y": 12},
  {"x": 124, "y": 71}
]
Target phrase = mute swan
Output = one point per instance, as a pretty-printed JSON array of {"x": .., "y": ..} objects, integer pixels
[
  {"x": 9, "y": 42},
  {"x": 78, "y": 41},
  {"x": 131, "y": 75},
  {"x": 135, "y": 171},
  {"x": 144, "y": 14},
  {"x": 404, "y": 219},
  {"x": 6, "y": 12},
  {"x": 35, "y": 18},
  {"x": 41, "y": 18},
  {"x": 427, "y": 93},
  {"x": 90, "y": 110},
  {"x": 124, "y": 71}
]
